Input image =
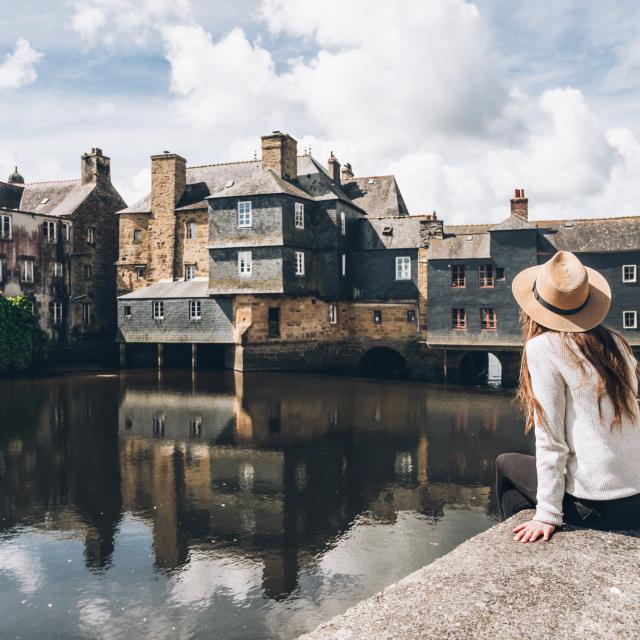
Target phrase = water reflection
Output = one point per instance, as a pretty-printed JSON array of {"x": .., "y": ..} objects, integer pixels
[{"x": 231, "y": 506}]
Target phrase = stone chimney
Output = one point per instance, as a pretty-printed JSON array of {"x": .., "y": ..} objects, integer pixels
[
  {"x": 95, "y": 167},
  {"x": 347, "y": 172},
  {"x": 520, "y": 205},
  {"x": 334, "y": 169},
  {"x": 168, "y": 182},
  {"x": 280, "y": 154}
]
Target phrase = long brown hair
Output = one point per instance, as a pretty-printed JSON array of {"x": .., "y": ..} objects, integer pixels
[{"x": 606, "y": 350}]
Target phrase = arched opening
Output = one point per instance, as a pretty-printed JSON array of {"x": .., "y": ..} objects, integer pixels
[
  {"x": 382, "y": 362},
  {"x": 494, "y": 371},
  {"x": 479, "y": 368}
]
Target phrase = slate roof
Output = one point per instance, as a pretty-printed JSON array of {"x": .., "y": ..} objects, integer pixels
[
  {"x": 460, "y": 247},
  {"x": 264, "y": 183},
  {"x": 379, "y": 196},
  {"x": 58, "y": 198},
  {"x": 396, "y": 232},
  {"x": 170, "y": 290},
  {"x": 513, "y": 223}
]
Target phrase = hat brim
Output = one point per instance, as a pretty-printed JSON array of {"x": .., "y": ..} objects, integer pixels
[{"x": 591, "y": 316}]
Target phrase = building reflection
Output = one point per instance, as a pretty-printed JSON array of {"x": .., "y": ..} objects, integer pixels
[{"x": 269, "y": 467}]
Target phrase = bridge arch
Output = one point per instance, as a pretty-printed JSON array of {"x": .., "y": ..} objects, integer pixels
[
  {"x": 497, "y": 368},
  {"x": 382, "y": 361}
]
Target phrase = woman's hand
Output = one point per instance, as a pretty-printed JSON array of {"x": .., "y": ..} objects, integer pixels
[{"x": 532, "y": 530}]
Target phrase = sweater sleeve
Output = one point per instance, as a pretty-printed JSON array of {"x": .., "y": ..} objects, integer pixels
[{"x": 548, "y": 387}]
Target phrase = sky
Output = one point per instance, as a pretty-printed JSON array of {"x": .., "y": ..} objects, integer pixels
[{"x": 462, "y": 101}]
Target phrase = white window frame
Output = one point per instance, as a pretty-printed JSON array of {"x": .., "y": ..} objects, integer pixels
[
  {"x": 157, "y": 309},
  {"x": 191, "y": 230},
  {"x": 137, "y": 235},
  {"x": 189, "y": 271},
  {"x": 127, "y": 312},
  {"x": 245, "y": 214},
  {"x": 50, "y": 231},
  {"x": 91, "y": 235},
  {"x": 634, "y": 323},
  {"x": 299, "y": 215},
  {"x": 403, "y": 267},
  {"x": 195, "y": 309},
  {"x": 344, "y": 264},
  {"x": 66, "y": 231},
  {"x": 333, "y": 314},
  {"x": 299, "y": 263},
  {"x": 27, "y": 269},
  {"x": 245, "y": 263},
  {"x": 6, "y": 227},
  {"x": 634, "y": 270},
  {"x": 139, "y": 271},
  {"x": 343, "y": 223},
  {"x": 58, "y": 269},
  {"x": 86, "y": 314},
  {"x": 56, "y": 315}
]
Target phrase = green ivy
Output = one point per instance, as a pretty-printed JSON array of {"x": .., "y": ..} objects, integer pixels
[{"x": 22, "y": 342}]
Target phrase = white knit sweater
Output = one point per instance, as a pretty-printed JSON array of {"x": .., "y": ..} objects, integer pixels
[{"x": 576, "y": 450}]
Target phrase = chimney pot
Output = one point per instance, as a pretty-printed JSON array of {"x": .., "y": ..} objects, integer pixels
[
  {"x": 520, "y": 205},
  {"x": 334, "y": 169}
]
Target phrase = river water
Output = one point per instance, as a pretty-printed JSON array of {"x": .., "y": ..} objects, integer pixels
[{"x": 218, "y": 505}]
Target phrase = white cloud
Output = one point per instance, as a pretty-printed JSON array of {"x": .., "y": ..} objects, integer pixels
[
  {"x": 87, "y": 21},
  {"x": 18, "y": 68}
]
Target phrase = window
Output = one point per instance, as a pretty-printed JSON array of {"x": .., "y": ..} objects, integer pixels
[
  {"x": 66, "y": 231},
  {"x": 403, "y": 268},
  {"x": 411, "y": 315},
  {"x": 245, "y": 218},
  {"x": 459, "y": 318},
  {"x": 377, "y": 316},
  {"x": 86, "y": 271},
  {"x": 158, "y": 309},
  {"x": 343, "y": 223},
  {"x": 91, "y": 235},
  {"x": 140, "y": 273},
  {"x": 344, "y": 264},
  {"x": 500, "y": 277},
  {"x": 137, "y": 235},
  {"x": 55, "y": 312},
  {"x": 333, "y": 314},
  {"x": 273, "y": 321},
  {"x": 630, "y": 319},
  {"x": 485, "y": 276},
  {"x": 299, "y": 263},
  {"x": 127, "y": 311},
  {"x": 189, "y": 271},
  {"x": 458, "y": 276},
  {"x": 488, "y": 318},
  {"x": 299, "y": 215},
  {"x": 86, "y": 314},
  {"x": 26, "y": 272},
  {"x": 5, "y": 227},
  {"x": 244, "y": 263},
  {"x": 629, "y": 273},
  {"x": 57, "y": 270},
  {"x": 195, "y": 310},
  {"x": 191, "y": 230},
  {"x": 49, "y": 231}
]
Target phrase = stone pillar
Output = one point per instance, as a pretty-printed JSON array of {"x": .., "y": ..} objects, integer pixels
[
  {"x": 194, "y": 355},
  {"x": 160, "y": 355},
  {"x": 123, "y": 355}
]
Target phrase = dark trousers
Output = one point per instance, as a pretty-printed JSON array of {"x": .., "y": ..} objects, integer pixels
[{"x": 517, "y": 484}]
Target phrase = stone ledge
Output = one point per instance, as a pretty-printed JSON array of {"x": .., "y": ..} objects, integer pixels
[{"x": 581, "y": 584}]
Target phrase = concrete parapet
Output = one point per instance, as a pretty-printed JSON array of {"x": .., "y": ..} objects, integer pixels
[{"x": 582, "y": 584}]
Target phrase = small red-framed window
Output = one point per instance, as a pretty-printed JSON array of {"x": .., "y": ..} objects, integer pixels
[
  {"x": 488, "y": 320},
  {"x": 486, "y": 276},
  {"x": 458, "y": 276},
  {"x": 458, "y": 318}
]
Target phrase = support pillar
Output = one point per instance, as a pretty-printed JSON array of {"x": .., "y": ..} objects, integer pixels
[
  {"x": 160, "y": 355},
  {"x": 444, "y": 367},
  {"x": 194, "y": 355},
  {"x": 123, "y": 355}
]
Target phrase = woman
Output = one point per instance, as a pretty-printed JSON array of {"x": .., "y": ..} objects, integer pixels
[{"x": 578, "y": 387}]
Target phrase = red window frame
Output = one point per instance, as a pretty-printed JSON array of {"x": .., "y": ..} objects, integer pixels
[
  {"x": 486, "y": 276},
  {"x": 458, "y": 276},
  {"x": 459, "y": 318},
  {"x": 488, "y": 319}
]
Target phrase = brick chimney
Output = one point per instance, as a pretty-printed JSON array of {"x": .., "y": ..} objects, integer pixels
[
  {"x": 334, "y": 169},
  {"x": 95, "y": 167},
  {"x": 168, "y": 182},
  {"x": 520, "y": 205},
  {"x": 280, "y": 154},
  {"x": 347, "y": 172}
]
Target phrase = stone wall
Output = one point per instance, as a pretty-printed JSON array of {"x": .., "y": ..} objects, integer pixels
[
  {"x": 132, "y": 254},
  {"x": 192, "y": 250}
]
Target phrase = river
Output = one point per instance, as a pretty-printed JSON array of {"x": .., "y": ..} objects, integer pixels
[{"x": 222, "y": 505}]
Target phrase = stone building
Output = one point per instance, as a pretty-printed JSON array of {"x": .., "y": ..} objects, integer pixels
[
  {"x": 282, "y": 262},
  {"x": 58, "y": 245},
  {"x": 470, "y": 269}
]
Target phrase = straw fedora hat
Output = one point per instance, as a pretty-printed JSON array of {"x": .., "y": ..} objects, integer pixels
[{"x": 562, "y": 294}]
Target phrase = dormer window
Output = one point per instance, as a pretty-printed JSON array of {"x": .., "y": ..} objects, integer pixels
[{"x": 245, "y": 215}]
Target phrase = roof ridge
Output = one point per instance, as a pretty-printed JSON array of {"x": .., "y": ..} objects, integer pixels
[
  {"x": 559, "y": 220},
  {"x": 53, "y": 181},
  {"x": 221, "y": 164},
  {"x": 385, "y": 175}
]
